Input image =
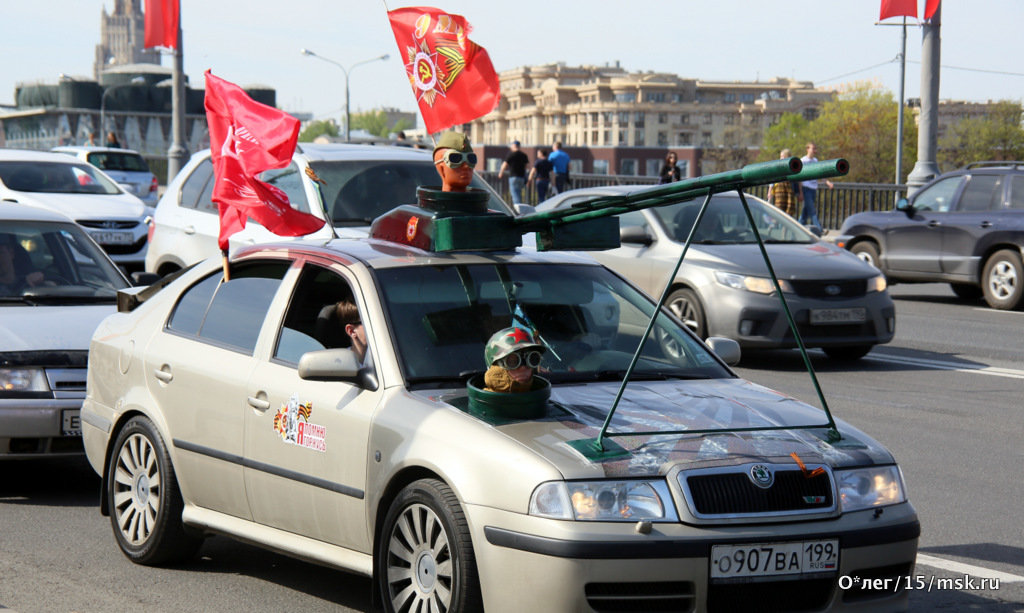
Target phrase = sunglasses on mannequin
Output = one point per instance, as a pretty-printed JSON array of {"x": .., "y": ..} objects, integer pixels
[
  {"x": 454, "y": 159},
  {"x": 514, "y": 360}
]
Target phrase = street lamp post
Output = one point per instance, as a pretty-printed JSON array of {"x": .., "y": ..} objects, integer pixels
[
  {"x": 103, "y": 98},
  {"x": 345, "y": 71}
]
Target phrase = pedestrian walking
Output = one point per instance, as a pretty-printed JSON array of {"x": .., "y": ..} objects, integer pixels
[
  {"x": 809, "y": 191},
  {"x": 781, "y": 194},
  {"x": 515, "y": 165},
  {"x": 670, "y": 170},
  {"x": 541, "y": 174},
  {"x": 560, "y": 161}
]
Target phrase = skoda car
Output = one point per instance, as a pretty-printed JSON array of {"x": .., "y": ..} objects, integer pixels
[
  {"x": 723, "y": 287},
  {"x": 125, "y": 166},
  {"x": 116, "y": 219},
  {"x": 56, "y": 285},
  {"x": 236, "y": 407},
  {"x": 358, "y": 183}
]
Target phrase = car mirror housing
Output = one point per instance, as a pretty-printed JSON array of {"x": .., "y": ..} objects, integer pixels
[
  {"x": 904, "y": 205},
  {"x": 725, "y": 348},
  {"x": 635, "y": 234},
  {"x": 336, "y": 365}
]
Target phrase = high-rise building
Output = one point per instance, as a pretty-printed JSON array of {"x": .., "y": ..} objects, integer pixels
[{"x": 121, "y": 38}]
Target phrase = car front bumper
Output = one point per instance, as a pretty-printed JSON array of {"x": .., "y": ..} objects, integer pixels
[
  {"x": 40, "y": 427},
  {"x": 533, "y": 564}
]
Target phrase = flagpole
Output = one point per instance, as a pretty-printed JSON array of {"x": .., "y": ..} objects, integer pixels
[
  {"x": 899, "y": 116},
  {"x": 177, "y": 154}
]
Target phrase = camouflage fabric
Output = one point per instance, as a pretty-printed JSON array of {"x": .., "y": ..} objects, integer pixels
[{"x": 509, "y": 340}]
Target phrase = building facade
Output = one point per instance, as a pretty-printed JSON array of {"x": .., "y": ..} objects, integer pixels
[{"x": 121, "y": 38}]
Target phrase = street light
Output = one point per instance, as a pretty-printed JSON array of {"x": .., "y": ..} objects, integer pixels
[
  {"x": 103, "y": 98},
  {"x": 345, "y": 71}
]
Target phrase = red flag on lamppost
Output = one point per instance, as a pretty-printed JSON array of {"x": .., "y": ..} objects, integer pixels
[
  {"x": 452, "y": 77},
  {"x": 930, "y": 7},
  {"x": 161, "y": 23},
  {"x": 246, "y": 138},
  {"x": 898, "y": 8}
]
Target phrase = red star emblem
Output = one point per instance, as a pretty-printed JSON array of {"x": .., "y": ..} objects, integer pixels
[{"x": 518, "y": 335}]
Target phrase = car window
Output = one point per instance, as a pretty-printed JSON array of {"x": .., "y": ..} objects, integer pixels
[
  {"x": 195, "y": 183},
  {"x": 632, "y": 219},
  {"x": 725, "y": 222},
  {"x": 1017, "y": 192},
  {"x": 939, "y": 196},
  {"x": 982, "y": 193},
  {"x": 116, "y": 160},
  {"x": 310, "y": 322},
  {"x": 289, "y": 180},
  {"x": 55, "y": 178},
  {"x": 229, "y": 314}
]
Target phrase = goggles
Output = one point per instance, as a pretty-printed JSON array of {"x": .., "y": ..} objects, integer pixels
[
  {"x": 454, "y": 159},
  {"x": 514, "y": 360}
]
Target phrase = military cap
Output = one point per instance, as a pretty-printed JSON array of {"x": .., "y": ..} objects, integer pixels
[{"x": 454, "y": 140}]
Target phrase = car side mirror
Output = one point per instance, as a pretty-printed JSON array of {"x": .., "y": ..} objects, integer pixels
[
  {"x": 336, "y": 365},
  {"x": 725, "y": 348},
  {"x": 144, "y": 278},
  {"x": 525, "y": 209},
  {"x": 635, "y": 235},
  {"x": 904, "y": 205}
]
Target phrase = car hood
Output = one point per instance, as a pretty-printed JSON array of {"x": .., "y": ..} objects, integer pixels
[
  {"x": 87, "y": 206},
  {"x": 578, "y": 412},
  {"x": 790, "y": 261},
  {"x": 41, "y": 328}
]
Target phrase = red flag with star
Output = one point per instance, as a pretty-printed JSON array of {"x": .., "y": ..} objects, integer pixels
[
  {"x": 451, "y": 76},
  {"x": 246, "y": 138}
]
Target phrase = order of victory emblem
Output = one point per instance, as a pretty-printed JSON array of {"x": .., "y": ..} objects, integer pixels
[
  {"x": 433, "y": 69},
  {"x": 292, "y": 423}
]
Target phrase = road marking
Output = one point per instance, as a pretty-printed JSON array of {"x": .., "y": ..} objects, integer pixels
[
  {"x": 990, "y": 310},
  {"x": 957, "y": 366},
  {"x": 967, "y": 569}
]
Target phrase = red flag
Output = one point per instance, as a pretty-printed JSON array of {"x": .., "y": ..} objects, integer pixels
[
  {"x": 246, "y": 138},
  {"x": 930, "y": 7},
  {"x": 898, "y": 8},
  {"x": 452, "y": 77},
  {"x": 162, "y": 23}
]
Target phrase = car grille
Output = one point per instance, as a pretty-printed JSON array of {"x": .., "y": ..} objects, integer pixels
[
  {"x": 66, "y": 379},
  {"x": 830, "y": 289},
  {"x": 772, "y": 596},
  {"x": 125, "y": 249},
  {"x": 649, "y": 596},
  {"x": 731, "y": 493},
  {"x": 108, "y": 224}
]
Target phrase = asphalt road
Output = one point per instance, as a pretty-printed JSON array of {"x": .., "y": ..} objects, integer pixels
[{"x": 945, "y": 396}]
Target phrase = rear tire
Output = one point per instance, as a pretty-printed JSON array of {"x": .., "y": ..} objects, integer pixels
[
  {"x": 847, "y": 354},
  {"x": 868, "y": 252},
  {"x": 144, "y": 500},
  {"x": 1002, "y": 280}
]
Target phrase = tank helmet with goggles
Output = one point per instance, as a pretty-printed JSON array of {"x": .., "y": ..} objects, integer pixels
[
  {"x": 504, "y": 343},
  {"x": 459, "y": 151}
]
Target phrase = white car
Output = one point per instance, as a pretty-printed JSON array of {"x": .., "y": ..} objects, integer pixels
[
  {"x": 125, "y": 166},
  {"x": 56, "y": 285},
  {"x": 116, "y": 219},
  {"x": 361, "y": 182}
]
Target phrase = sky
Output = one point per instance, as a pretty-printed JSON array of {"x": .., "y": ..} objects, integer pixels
[{"x": 257, "y": 42}]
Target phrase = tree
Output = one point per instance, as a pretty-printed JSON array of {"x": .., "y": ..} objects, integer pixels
[
  {"x": 791, "y": 132},
  {"x": 374, "y": 122},
  {"x": 317, "y": 128},
  {"x": 996, "y": 136}
]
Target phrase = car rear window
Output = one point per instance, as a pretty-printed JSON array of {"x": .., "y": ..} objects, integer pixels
[
  {"x": 129, "y": 162},
  {"x": 55, "y": 178}
]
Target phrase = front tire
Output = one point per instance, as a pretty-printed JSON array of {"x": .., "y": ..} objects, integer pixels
[
  {"x": 1002, "y": 280},
  {"x": 685, "y": 305},
  {"x": 144, "y": 500},
  {"x": 868, "y": 252},
  {"x": 425, "y": 555}
]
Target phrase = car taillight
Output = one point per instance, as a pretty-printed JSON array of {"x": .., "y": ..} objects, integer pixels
[
  {"x": 152, "y": 188},
  {"x": 152, "y": 227}
]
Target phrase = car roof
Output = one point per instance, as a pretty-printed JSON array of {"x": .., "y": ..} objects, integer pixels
[
  {"x": 12, "y": 211},
  {"x": 92, "y": 149},
  {"x": 29, "y": 155}
]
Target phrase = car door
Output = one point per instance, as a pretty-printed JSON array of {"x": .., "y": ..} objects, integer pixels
[
  {"x": 306, "y": 441},
  {"x": 190, "y": 229},
  {"x": 913, "y": 244},
  {"x": 198, "y": 367},
  {"x": 974, "y": 215}
]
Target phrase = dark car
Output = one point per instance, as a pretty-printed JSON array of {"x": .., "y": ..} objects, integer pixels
[{"x": 965, "y": 228}]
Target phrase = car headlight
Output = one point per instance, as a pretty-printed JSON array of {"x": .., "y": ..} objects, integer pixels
[
  {"x": 603, "y": 501},
  {"x": 23, "y": 380},
  {"x": 877, "y": 284},
  {"x": 865, "y": 488},
  {"x": 759, "y": 285}
]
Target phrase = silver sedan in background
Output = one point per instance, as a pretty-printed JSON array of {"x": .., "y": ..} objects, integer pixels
[{"x": 723, "y": 288}]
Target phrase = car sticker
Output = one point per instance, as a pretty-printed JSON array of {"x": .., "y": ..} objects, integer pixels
[{"x": 292, "y": 423}]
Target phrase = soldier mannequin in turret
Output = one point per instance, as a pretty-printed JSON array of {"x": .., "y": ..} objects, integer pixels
[{"x": 454, "y": 160}]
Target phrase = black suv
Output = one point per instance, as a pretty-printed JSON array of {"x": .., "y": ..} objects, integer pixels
[{"x": 965, "y": 228}]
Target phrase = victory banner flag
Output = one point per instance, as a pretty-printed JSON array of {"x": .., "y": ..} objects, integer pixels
[
  {"x": 161, "y": 23},
  {"x": 452, "y": 77},
  {"x": 246, "y": 138}
]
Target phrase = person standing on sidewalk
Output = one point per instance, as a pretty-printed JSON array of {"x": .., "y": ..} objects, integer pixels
[
  {"x": 560, "y": 161},
  {"x": 781, "y": 194},
  {"x": 809, "y": 190},
  {"x": 541, "y": 173},
  {"x": 515, "y": 164}
]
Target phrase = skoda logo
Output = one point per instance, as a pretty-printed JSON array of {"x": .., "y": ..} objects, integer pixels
[
  {"x": 832, "y": 290},
  {"x": 761, "y": 476}
]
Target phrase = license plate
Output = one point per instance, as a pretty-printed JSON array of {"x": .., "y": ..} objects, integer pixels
[
  {"x": 773, "y": 559},
  {"x": 71, "y": 422},
  {"x": 839, "y": 316},
  {"x": 113, "y": 238}
]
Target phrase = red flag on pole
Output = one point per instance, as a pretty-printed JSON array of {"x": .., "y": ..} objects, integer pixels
[
  {"x": 246, "y": 138},
  {"x": 930, "y": 7},
  {"x": 161, "y": 21},
  {"x": 452, "y": 77},
  {"x": 898, "y": 8}
]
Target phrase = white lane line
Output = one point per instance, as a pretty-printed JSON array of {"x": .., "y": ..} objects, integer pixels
[
  {"x": 959, "y": 367},
  {"x": 967, "y": 569}
]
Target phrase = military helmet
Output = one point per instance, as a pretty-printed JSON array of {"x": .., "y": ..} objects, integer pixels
[{"x": 509, "y": 340}]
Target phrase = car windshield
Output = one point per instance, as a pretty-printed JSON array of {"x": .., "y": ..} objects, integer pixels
[
  {"x": 590, "y": 319},
  {"x": 357, "y": 192},
  {"x": 725, "y": 222},
  {"x": 48, "y": 262},
  {"x": 55, "y": 178},
  {"x": 117, "y": 160}
]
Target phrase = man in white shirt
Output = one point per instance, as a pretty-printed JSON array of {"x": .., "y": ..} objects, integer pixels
[{"x": 809, "y": 190}]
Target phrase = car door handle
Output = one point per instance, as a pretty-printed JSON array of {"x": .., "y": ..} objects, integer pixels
[
  {"x": 258, "y": 403},
  {"x": 986, "y": 224},
  {"x": 164, "y": 374},
  {"x": 934, "y": 223},
  {"x": 190, "y": 230}
]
